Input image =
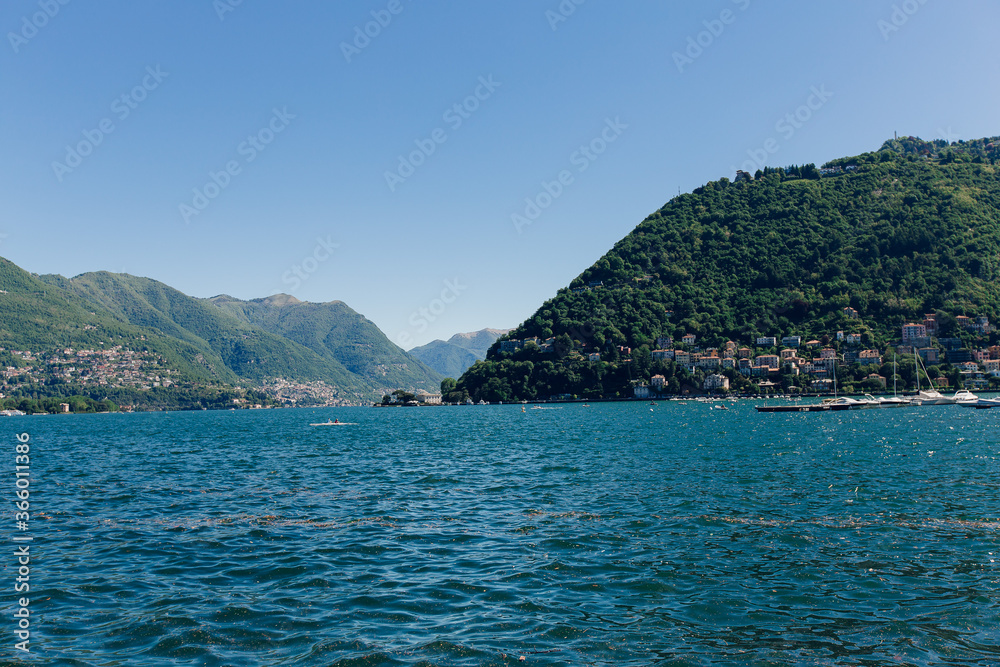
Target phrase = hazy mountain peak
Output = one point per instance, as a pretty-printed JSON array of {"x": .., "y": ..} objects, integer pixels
[
  {"x": 452, "y": 357},
  {"x": 496, "y": 333},
  {"x": 281, "y": 300}
]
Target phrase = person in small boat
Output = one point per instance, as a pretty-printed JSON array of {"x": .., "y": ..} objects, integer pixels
[{"x": 336, "y": 421}]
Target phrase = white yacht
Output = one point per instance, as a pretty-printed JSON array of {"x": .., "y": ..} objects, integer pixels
[
  {"x": 965, "y": 396},
  {"x": 893, "y": 402},
  {"x": 852, "y": 403},
  {"x": 931, "y": 397},
  {"x": 981, "y": 403}
]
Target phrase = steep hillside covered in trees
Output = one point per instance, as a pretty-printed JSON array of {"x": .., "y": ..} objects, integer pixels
[{"x": 910, "y": 229}]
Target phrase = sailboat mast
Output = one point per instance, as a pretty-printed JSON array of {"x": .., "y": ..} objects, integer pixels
[{"x": 894, "y": 376}]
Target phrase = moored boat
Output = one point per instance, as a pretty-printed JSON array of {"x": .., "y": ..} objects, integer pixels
[
  {"x": 830, "y": 405},
  {"x": 964, "y": 396},
  {"x": 931, "y": 397},
  {"x": 893, "y": 402},
  {"x": 973, "y": 401}
]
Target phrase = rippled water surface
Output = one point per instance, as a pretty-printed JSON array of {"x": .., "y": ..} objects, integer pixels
[{"x": 615, "y": 534}]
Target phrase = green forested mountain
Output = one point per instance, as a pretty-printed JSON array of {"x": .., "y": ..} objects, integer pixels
[
  {"x": 910, "y": 229},
  {"x": 184, "y": 349},
  {"x": 37, "y": 314},
  {"x": 250, "y": 353},
  {"x": 452, "y": 357},
  {"x": 336, "y": 333},
  {"x": 446, "y": 358}
]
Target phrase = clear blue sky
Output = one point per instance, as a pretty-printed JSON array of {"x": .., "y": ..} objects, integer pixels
[{"x": 658, "y": 112}]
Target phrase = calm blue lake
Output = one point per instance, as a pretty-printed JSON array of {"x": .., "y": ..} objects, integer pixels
[{"x": 614, "y": 534}]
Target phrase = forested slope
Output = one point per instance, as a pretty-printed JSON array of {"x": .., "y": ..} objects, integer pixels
[{"x": 910, "y": 229}]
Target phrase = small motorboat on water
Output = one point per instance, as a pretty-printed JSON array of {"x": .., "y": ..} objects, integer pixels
[
  {"x": 973, "y": 401},
  {"x": 853, "y": 403},
  {"x": 828, "y": 405},
  {"x": 931, "y": 397},
  {"x": 893, "y": 402}
]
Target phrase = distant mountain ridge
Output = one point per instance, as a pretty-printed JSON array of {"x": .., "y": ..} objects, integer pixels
[
  {"x": 453, "y": 357},
  {"x": 220, "y": 340},
  {"x": 336, "y": 333},
  {"x": 40, "y": 314},
  {"x": 477, "y": 341}
]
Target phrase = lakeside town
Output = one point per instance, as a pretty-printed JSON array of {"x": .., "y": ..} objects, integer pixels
[
  {"x": 792, "y": 364},
  {"x": 102, "y": 371},
  {"x": 43, "y": 373},
  {"x": 764, "y": 365},
  {"x": 117, "y": 366}
]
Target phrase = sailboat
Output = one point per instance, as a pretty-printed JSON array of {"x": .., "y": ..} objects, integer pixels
[
  {"x": 932, "y": 396},
  {"x": 895, "y": 401},
  {"x": 929, "y": 396}
]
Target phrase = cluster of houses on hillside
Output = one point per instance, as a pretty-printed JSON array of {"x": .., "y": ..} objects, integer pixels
[
  {"x": 920, "y": 334},
  {"x": 796, "y": 357},
  {"x": 772, "y": 356},
  {"x": 113, "y": 367},
  {"x": 313, "y": 394},
  {"x": 820, "y": 365}
]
